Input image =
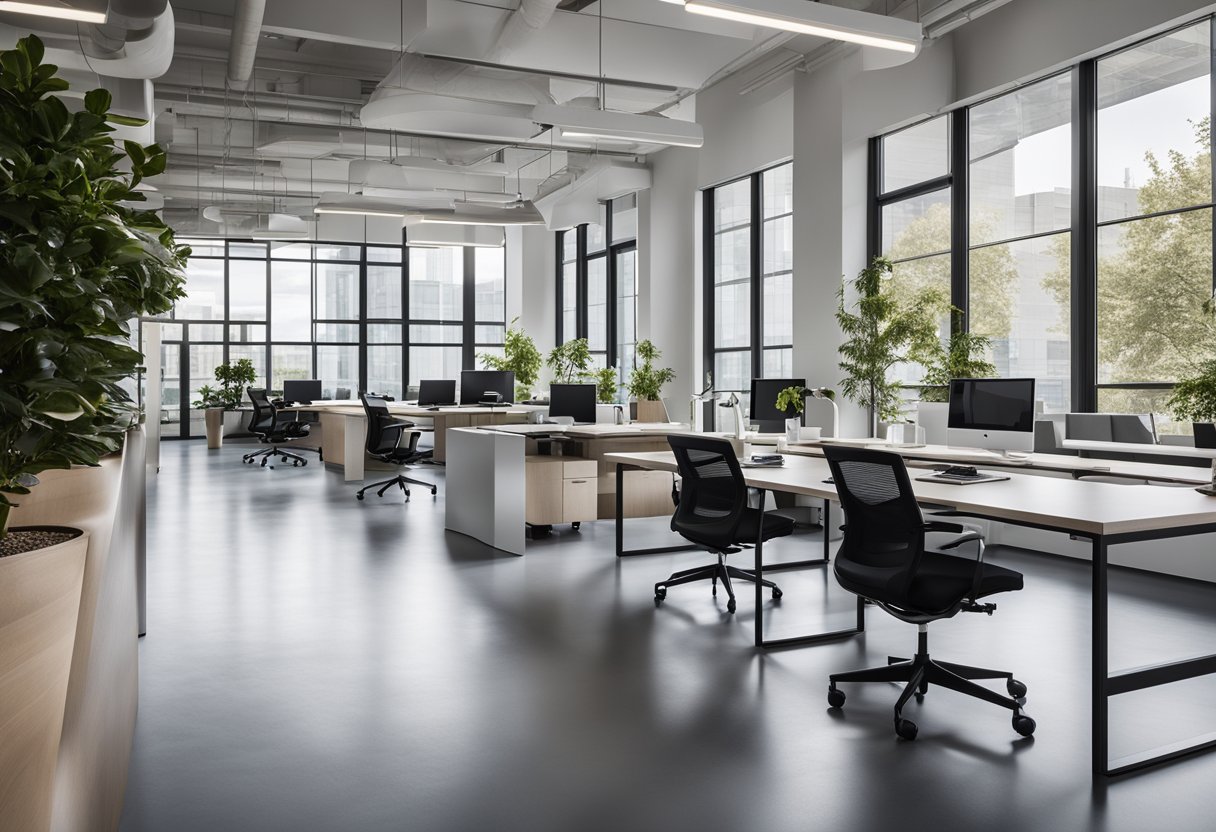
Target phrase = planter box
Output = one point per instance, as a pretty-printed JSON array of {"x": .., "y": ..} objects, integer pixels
[
  {"x": 651, "y": 411},
  {"x": 39, "y": 609}
]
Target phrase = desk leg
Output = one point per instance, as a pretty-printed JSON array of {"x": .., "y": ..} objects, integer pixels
[
  {"x": 621, "y": 551},
  {"x": 353, "y": 440},
  {"x": 1098, "y": 695}
]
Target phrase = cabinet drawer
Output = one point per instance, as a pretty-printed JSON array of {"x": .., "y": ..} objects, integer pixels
[
  {"x": 579, "y": 469},
  {"x": 578, "y": 500}
]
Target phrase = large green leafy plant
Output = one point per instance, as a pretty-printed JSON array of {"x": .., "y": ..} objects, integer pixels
[
  {"x": 880, "y": 331},
  {"x": 1194, "y": 397},
  {"x": 233, "y": 378},
  {"x": 963, "y": 358},
  {"x": 571, "y": 361},
  {"x": 77, "y": 265},
  {"x": 645, "y": 380},
  {"x": 520, "y": 356}
]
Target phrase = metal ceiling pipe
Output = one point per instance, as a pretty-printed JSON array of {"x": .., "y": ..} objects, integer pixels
[{"x": 246, "y": 29}]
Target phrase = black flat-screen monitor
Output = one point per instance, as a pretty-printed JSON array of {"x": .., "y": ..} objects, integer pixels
[
  {"x": 576, "y": 401},
  {"x": 302, "y": 390},
  {"x": 433, "y": 392},
  {"x": 991, "y": 413},
  {"x": 475, "y": 383},
  {"x": 765, "y": 414}
]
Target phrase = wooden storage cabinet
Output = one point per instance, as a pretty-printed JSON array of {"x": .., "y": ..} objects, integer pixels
[{"x": 560, "y": 490}]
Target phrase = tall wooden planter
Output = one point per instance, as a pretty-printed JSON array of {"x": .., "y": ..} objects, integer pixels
[
  {"x": 39, "y": 609},
  {"x": 651, "y": 411}
]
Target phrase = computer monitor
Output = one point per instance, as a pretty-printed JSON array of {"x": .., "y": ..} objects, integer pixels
[
  {"x": 765, "y": 414},
  {"x": 576, "y": 401},
  {"x": 302, "y": 390},
  {"x": 992, "y": 413},
  {"x": 436, "y": 391},
  {"x": 475, "y": 383}
]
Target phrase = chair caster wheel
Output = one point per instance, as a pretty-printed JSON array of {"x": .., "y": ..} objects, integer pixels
[
  {"x": 777, "y": 593},
  {"x": 434, "y": 491},
  {"x": 660, "y": 592},
  {"x": 1023, "y": 724},
  {"x": 1016, "y": 689},
  {"x": 835, "y": 697},
  {"x": 282, "y": 459},
  {"x": 575, "y": 525},
  {"x": 730, "y": 605},
  {"x": 906, "y": 729},
  {"x": 358, "y": 496}
]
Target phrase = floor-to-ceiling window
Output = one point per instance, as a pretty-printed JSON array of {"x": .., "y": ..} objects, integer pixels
[
  {"x": 1085, "y": 202},
  {"x": 749, "y": 280},
  {"x": 360, "y": 318},
  {"x": 597, "y": 284}
]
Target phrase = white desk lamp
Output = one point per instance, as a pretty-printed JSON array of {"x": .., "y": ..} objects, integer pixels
[
  {"x": 706, "y": 395},
  {"x": 735, "y": 404},
  {"x": 829, "y": 396}
]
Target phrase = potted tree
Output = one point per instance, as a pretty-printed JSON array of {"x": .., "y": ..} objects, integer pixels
[
  {"x": 570, "y": 362},
  {"x": 78, "y": 264},
  {"x": 646, "y": 383},
  {"x": 880, "y": 331},
  {"x": 607, "y": 384},
  {"x": 1194, "y": 400},
  {"x": 220, "y": 404},
  {"x": 963, "y": 357},
  {"x": 521, "y": 357}
]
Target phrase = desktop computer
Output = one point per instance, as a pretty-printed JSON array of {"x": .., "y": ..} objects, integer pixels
[
  {"x": 764, "y": 412},
  {"x": 573, "y": 401},
  {"x": 475, "y": 384},
  {"x": 301, "y": 390},
  {"x": 991, "y": 413},
  {"x": 436, "y": 392}
]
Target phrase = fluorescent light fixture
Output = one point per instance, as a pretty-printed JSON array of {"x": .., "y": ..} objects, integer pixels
[
  {"x": 466, "y": 213},
  {"x": 61, "y": 12},
  {"x": 610, "y": 125},
  {"x": 358, "y": 205},
  {"x": 358, "y": 212},
  {"x": 818, "y": 19},
  {"x": 449, "y": 235}
]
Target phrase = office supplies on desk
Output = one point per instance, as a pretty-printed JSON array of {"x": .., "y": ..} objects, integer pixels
[{"x": 961, "y": 475}]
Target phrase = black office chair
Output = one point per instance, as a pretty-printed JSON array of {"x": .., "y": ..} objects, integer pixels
[
  {"x": 266, "y": 425},
  {"x": 712, "y": 512},
  {"x": 384, "y": 435},
  {"x": 884, "y": 560}
]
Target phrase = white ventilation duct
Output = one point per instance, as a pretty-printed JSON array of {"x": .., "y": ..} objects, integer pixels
[
  {"x": 246, "y": 29},
  {"x": 375, "y": 174},
  {"x": 564, "y": 206},
  {"x": 529, "y": 18}
]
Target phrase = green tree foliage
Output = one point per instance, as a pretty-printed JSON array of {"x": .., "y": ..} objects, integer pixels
[
  {"x": 77, "y": 264},
  {"x": 886, "y": 326},
  {"x": 607, "y": 384},
  {"x": 520, "y": 356},
  {"x": 964, "y": 357},
  {"x": 1194, "y": 398},
  {"x": 646, "y": 382},
  {"x": 571, "y": 361},
  {"x": 233, "y": 377}
]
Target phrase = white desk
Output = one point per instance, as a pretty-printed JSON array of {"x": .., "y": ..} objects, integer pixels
[
  {"x": 1105, "y": 513},
  {"x": 1098, "y": 446}
]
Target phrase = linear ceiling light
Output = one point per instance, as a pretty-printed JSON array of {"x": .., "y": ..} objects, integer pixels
[
  {"x": 470, "y": 236},
  {"x": 817, "y": 19},
  {"x": 610, "y": 125},
  {"x": 358, "y": 205},
  {"x": 61, "y": 12}
]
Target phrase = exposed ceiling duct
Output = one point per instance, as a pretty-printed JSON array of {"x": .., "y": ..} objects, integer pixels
[
  {"x": 565, "y": 204},
  {"x": 246, "y": 30}
]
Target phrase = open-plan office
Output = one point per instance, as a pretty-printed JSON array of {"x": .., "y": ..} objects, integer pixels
[{"x": 560, "y": 415}]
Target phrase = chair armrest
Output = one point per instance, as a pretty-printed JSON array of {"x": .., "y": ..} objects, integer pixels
[
  {"x": 939, "y": 526},
  {"x": 978, "y": 539}
]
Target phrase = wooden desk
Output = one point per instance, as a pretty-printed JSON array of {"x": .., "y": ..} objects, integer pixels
[
  {"x": 1107, "y": 514},
  {"x": 344, "y": 427}
]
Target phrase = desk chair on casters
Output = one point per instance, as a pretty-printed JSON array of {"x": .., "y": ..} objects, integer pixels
[
  {"x": 883, "y": 559},
  {"x": 713, "y": 513},
  {"x": 384, "y": 435},
  {"x": 266, "y": 425}
]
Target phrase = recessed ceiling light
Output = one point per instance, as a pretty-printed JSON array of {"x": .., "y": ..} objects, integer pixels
[{"x": 57, "y": 11}]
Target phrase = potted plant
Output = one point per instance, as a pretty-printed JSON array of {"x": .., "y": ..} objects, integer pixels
[
  {"x": 217, "y": 403},
  {"x": 964, "y": 357},
  {"x": 1194, "y": 400},
  {"x": 570, "y": 362},
  {"x": 880, "y": 331},
  {"x": 520, "y": 356},
  {"x": 646, "y": 383},
  {"x": 792, "y": 400},
  {"x": 78, "y": 264},
  {"x": 607, "y": 384}
]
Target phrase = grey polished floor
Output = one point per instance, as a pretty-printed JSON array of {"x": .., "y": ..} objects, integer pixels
[{"x": 316, "y": 663}]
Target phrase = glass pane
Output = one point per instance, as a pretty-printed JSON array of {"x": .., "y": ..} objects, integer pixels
[
  {"x": 490, "y": 291},
  {"x": 917, "y": 226},
  {"x": 171, "y": 332},
  {"x": 778, "y": 311},
  {"x": 733, "y": 255},
  {"x": 204, "y": 300},
  {"x": 569, "y": 301},
  {"x": 207, "y": 332},
  {"x": 388, "y": 254},
  {"x": 908, "y": 279},
  {"x": 289, "y": 361},
  {"x": 437, "y": 284},
  {"x": 1143, "y": 401},
  {"x": 257, "y": 250},
  {"x": 597, "y": 304},
  {"x": 486, "y": 334},
  {"x": 626, "y": 307},
  {"x": 732, "y": 315},
  {"x": 1154, "y": 101},
  {"x": 337, "y": 291},
  {"x": 1154, "y": 276},
  {"x": 337, "y": 253},
  {"x": 596, "y": 241},
  {"x": 291, "y": 301},
  {"x": 291, "y": 251},
  {"x": 384, "y": 292},
  {"x": 203, "y": 247},
  {"x": 434, "y": 362},
  {"x": 918, "y": 153},
  {"x": 337, "y": 333},
  {"x": 255, "y": 353},
  {"x": 732, "y": 204},
  {"x": 1020, "y": 298},
  {"x": 337, "y": 366},
  {"x": 625, "y": 218},
  {"x": 247, "y": 290},
  {"x": 247, "y": 332},
  {"x": 1021, "y": 162},
  {"x": 170, "y": 386},
  {"x": 569, "y": 245},
  {"x": 384, "y": 333},
  {"x": 384, "y": 370},
  {"x": 777, "y": 251},
  {"x": 733, "y": 370},
  {"x": 204, "y": 358},
  {"x": 436, "y": 334},
  {"x": 777, "y": 186},
  {"x": 779, "y": 363}
]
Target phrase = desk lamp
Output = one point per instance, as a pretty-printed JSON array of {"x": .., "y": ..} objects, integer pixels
[{"x": 829, "y": 396}]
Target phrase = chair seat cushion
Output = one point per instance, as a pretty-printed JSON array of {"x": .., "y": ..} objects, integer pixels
[
  {"x": 943, "y": 580},
  {"x": 774, "y": 526}
]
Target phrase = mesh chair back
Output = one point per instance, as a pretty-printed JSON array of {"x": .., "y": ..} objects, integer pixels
[
  {"x": 884, "y": 533},
  {"x": 376, "y": 410},
  {"x": 713, "y": 492},
  {"x": 261, "y": 423}
]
